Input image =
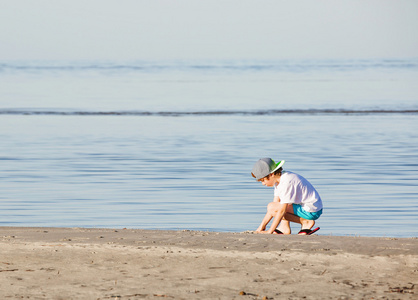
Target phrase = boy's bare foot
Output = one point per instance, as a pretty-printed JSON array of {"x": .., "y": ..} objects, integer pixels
[
  {"x": 308, "y": 231},
  {"x": 307, "y": 224},
  {"x": 277, "y": 231}
]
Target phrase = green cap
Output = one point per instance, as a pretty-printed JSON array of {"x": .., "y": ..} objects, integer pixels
[{"x": 264, "y": 167}]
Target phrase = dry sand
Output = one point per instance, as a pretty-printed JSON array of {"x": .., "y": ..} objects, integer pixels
[{"x": 78, "y": 263}]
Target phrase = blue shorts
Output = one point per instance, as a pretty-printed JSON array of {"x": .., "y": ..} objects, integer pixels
[{"x": 300, "y": 212}]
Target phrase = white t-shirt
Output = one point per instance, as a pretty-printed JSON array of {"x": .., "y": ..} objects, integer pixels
[{"x": 293, "y": 188}]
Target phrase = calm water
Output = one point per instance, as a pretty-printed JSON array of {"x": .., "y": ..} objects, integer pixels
[{"x": 170, "y": 145}]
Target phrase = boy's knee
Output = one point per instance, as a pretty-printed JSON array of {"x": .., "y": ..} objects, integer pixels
[{"x": 272, "y": 207}]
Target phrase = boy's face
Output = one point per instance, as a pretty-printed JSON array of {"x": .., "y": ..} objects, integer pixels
[{"x": 268, "y": 180}]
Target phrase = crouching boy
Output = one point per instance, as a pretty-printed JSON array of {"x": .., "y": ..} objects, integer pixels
[{"x": 295, "y": 199}]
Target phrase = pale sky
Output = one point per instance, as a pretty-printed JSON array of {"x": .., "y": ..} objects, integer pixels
[{"x": 207, "y": 29}]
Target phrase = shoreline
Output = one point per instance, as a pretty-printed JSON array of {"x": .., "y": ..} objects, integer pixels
[{"x": 90, "y": 263}]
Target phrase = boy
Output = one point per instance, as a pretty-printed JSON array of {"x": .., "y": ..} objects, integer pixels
[{"x": 295, "y": 199}]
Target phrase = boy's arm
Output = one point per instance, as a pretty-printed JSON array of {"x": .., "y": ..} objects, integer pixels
[{"x": 264, "y": 223}]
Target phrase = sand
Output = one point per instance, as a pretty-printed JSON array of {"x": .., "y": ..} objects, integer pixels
[{"x": 79, "y": 263}]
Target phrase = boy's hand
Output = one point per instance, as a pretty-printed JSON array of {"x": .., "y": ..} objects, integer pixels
[
  {"x": 262, "y": 232},
  {"x": 260, "y": 229}
]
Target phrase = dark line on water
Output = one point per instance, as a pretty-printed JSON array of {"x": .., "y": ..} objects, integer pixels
[
  {"x": 205, "y": 113},
  {"x": 199, "y": 65}
]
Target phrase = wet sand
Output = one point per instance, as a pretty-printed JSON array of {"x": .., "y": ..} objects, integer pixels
[{"x": 79, "y": 263}]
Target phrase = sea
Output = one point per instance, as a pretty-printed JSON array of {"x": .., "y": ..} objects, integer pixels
[{"x": 170, "y": 144}]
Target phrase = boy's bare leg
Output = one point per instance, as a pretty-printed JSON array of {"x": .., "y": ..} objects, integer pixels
[
  {"x": 284, "y": 226},
  {"x": 290, "y": 216},
  {"x": 272, "y": 209}
]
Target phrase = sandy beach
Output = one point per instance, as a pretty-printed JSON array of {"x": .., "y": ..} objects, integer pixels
[{"x": 79, "y": 263}]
